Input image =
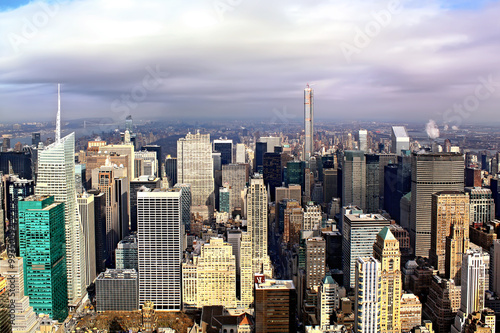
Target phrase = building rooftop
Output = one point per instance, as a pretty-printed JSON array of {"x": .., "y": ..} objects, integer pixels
[
  {"x": 399, "y": 131},
  {"x": 365, "y": 217},
  {"x": 121, "y": 274},
  {"x": 271, "y": 284}
]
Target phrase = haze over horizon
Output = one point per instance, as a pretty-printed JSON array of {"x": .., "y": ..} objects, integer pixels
[{"x": 383, "y": 60}]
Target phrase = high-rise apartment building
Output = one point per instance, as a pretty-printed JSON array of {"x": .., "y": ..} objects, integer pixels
[
  {"x": 359, "y": 232},
  {"x": 23, "y": 318},
  {"x": 431, "y": 173},
  {"x": 56, "y": 176},
  {"x": 159, "y": 217},
  {"x": 195, "y": 167},
  {"x": 42, "y": 246},
  {"x": 450, "y": 217},
  {"x": 367, "y": 305},
  {"x": 354, "y": 179},
  {"x": 386, "y": 251},
  {"x": 308, "y": 123}
]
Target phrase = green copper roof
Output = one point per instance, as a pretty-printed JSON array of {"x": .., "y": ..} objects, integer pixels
[
  {"x": 386, "y": 234},
  {"x": 328, "y": 280}
]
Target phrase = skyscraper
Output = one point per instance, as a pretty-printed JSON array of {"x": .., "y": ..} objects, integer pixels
[
  {"x": 367, "y": 305},
  {"x": 56, "y": 176},
  {"x": 171, "y": 169},
  {"x": 359, "y": 232},
  {"x": 225, "y": 148},
  {"x": 240, "y": 153},
  {"x": 87, "y": 214},
  {"x": 5, "y": 320},
  {"x": 354, "y": 179},
  {"x": 450, "y": 216},
  {"x": 474, "y": 286},
  {"x": 157, "y": 149},
  {"x": 328, "y": 300},
  {"x": 400, "y": 140},
  {"x": 42, "y": 246},
  {"x": 275, "y": 302},
  {"x": 363, "y": 140},
  {"x": 159, "y": 219},
  {"x": 431, "y": 173},
  {"x": 195, "y": 167},
  {"x": 236, "y": 177},
  {"x": 257, "y": 225},
  {"x": 315, "y": 262},
  {"x": 103, "y": 179},
  {"x": 216, "y": 275},
  {"x": 24, "y": 319},
  {"x": 15, "y": 189},
  {"x": 386, "y": 251},
  {"x": 186, "y": 206},
  {"x": 126, "y": 253},
  {"x": 271, "y": 172},
  {"x": 308, "y": 123},
  {"x": 482, "y": 205}
]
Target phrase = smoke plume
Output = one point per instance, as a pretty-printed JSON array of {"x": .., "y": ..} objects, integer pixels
[{"x": 432, "y": 129}]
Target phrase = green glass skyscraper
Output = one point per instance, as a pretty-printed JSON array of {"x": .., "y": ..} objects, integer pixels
[{"x": 42, "y": 244}]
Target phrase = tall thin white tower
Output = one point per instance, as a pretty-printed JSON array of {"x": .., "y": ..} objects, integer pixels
[
  {"x": 56, "y": 176},
  {"x": 308, "y": 122}
]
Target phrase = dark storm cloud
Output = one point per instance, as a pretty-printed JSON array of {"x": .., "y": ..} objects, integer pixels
[{"x": 242, "y": 59}]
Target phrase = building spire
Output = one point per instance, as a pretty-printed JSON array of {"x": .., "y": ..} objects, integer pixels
[{"x": 58, "y": 119}]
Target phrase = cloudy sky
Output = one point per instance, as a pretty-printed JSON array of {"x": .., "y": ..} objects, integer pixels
[{"x": 368, "y": 60}]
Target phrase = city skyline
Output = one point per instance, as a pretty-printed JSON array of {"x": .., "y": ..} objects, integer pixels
[{"x": 211, "y": 59}]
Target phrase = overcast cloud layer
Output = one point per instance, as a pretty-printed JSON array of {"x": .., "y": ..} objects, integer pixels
[{"x": 399, "y": 60}]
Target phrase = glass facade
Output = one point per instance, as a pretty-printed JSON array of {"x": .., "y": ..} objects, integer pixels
[{"x": 43, "y": 246}]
